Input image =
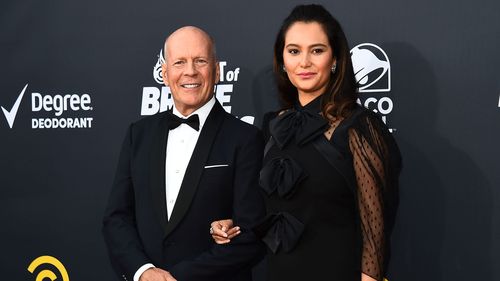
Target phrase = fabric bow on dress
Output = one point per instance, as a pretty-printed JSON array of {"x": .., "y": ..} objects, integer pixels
[
  {"x": 299, "y": 125},
  {"x": 280, "y": 230},
  {"x": 281, "y": 175}
]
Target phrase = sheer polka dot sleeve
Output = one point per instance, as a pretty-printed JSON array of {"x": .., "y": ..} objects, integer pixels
[{"x": 370, "y": 159}]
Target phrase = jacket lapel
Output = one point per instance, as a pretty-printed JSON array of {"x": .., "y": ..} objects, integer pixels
[
  {"x": 157, "y": 169},
  {"x": 196, "y": 166}
]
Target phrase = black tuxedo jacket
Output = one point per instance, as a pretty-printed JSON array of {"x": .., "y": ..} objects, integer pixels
[{"x": 221, "y": 181}]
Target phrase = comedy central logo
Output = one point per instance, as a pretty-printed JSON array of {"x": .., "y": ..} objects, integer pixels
[
  {"x": 50, "y": 109},
  {"x": 159, "y": 98},
  {"x": 43, "y": 267},
  {"x": 157, "y": 68}
]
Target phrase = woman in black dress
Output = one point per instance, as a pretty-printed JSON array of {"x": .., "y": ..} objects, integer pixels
[{"x": 331, "y": 167}]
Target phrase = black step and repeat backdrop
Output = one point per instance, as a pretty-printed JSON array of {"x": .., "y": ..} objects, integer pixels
[{"x": 74, "y": 74}]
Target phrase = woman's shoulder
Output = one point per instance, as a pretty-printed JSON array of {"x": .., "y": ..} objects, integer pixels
[
  {"x": 363, "y": 114},
  {"x": 268, "y": 116},
  {"x": 266, "y": 119},
  {"x": 369, "y": 126},
  {"x": 363, "y": 119},
  {"x": 360, "y": 121}
]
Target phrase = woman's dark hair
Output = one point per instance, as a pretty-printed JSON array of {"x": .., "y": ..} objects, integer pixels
[{"x": 341, "y": 91}]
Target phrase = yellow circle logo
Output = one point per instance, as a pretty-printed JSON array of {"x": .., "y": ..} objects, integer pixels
[{"x": 48, "y": 273}]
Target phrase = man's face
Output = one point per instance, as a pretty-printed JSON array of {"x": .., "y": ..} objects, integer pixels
[{"x": 190, "y": 69}]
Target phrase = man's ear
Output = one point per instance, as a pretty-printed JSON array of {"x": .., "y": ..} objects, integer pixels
[
  {"x": 217, "y": 72},
  {"x": 164, "y": 74}
]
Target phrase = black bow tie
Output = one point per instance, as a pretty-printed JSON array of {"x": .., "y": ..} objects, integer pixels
[{"x": 174, "y": 121}]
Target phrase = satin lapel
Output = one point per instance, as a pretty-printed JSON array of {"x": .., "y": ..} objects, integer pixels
[
  {"x": 332, "y": 154},
  {"x": 157, "y": 170},
  {"x": 336, "y": 159},
  {"x": 196, "y": 166}
]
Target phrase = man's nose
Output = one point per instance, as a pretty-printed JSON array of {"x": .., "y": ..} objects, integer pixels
[{"x": 190, "y": 68}]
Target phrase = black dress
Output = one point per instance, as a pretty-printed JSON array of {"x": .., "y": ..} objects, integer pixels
[{"x": 330, "y": 202}]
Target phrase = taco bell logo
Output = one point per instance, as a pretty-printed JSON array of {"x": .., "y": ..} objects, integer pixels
[{"x": 372, "y": 68}]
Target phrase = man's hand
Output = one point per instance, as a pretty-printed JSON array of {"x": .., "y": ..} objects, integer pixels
[
  {"x": 156, "y": 274},
  {"x": 223, "y": 231}
]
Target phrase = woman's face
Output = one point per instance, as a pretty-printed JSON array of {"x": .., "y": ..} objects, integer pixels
[{"x": 308, "y": 59}]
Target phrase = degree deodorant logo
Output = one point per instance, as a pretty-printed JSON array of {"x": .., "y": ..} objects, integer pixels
[
  {"x": 49, "y": 111},
  {"x": 42, "y": 267},
  {"x": 10, "y": 115}
]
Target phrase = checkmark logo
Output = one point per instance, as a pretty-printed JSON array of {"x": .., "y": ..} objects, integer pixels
[{"x": 11, "y": 115}]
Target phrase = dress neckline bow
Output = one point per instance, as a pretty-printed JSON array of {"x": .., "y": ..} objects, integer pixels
[{"x": 300, "y": 124}]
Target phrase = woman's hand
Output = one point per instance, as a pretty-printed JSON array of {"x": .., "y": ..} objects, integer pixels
[
  {"x": 223, "y": 231},
  {"x": 365, "y": 277}
]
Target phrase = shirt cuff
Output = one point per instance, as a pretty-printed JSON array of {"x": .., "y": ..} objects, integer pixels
[{"x": 141, "y": 270}]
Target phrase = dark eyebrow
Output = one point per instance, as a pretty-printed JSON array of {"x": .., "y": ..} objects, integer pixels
[
  {"x": 319, "y": 45},
  {"x": 312, "y": 46}
]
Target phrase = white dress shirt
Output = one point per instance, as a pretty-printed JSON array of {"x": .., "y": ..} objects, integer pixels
[{"x": 180, "y": 146}]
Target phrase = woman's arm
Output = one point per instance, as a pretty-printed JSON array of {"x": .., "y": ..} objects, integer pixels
[{"x": 371, "y": 146}]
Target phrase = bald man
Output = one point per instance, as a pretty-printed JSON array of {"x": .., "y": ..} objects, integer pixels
[{"x": 180, "y": 170}]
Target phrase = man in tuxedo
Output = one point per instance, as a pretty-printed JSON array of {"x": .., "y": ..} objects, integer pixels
[{"x": 180, "y": 170}]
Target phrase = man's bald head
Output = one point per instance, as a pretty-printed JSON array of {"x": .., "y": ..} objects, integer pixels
[
  {"x": 190, "y": 69},
  {"x": 191, "y": 31}
]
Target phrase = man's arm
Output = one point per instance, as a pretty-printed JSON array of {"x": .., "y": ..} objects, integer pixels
[
  {"x": 119, "y": 227},
  {"x": 223, "y": 262}
]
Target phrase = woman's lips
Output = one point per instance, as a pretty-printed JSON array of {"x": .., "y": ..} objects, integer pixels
[{"x": 305, "y": 75}]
